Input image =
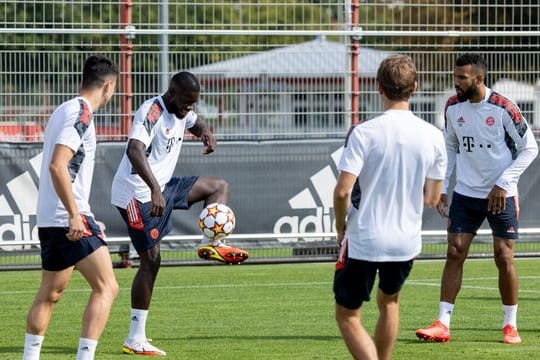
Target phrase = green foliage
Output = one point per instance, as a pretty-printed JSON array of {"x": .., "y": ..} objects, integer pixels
[{"x": 277, "y": 312}]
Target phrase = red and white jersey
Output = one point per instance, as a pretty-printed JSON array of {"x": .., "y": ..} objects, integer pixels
[
  {"x": 163, "y": 134},
  {"x": 392, "y": 155},
  {"x": 70, "y": 125},
  {"x": 489, "y": 143}
]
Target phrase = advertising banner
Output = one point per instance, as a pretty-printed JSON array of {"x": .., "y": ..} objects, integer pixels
[{"x": 276, "y": 187}]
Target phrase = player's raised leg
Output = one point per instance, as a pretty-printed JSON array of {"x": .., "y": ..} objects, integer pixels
[{"x": 214, "y": 190}]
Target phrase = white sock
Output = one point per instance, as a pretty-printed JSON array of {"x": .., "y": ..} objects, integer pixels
[
  {"x": 510, "y": 315},
  {"x": 32, "y": 346},
  {"x": 137, "y": 329},
  {"x": 205, "y": 240},
  {"x": 87, "y": 349},
  {"x": 445, "y": 312}
]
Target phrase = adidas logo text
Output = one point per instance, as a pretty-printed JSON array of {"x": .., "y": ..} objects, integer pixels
[{"x": 323, "y": 182}]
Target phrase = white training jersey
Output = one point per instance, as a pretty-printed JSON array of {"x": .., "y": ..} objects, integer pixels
[
  {"x": 489, "y": 143},
  {"x": 162, "y": 133},
  {"x": 70, "y": 125},
  {"x": 392, "y": 155}
]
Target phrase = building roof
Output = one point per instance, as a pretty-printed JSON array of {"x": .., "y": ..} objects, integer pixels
[
  {"x": 316, "y": 58},
  {"x": 515, "y": 90}
]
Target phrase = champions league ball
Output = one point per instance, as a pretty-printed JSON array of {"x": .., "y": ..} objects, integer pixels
[{"x": 216, "y": 221}]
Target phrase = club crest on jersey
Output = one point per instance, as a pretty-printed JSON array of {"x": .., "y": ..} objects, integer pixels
[{"x": 490, "y": 121}]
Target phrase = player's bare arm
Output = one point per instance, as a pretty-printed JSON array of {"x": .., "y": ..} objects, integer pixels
[
  {"x": 201, "y": 130},
  {"x": 432, "y": 192},
  {"x": 136, "y": 152},
  {"x": 61, "y": 179},
  {"x": 497, "y": 200},
  {"x": 342, "y": 195}
]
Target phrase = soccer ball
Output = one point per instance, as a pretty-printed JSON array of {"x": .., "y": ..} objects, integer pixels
[{"x": 216, "y": 221}]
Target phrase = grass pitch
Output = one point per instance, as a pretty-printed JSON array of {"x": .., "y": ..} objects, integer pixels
[{"x": 277, "y": 312}]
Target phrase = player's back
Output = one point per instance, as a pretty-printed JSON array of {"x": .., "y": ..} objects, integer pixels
[
  {"x": 69, "y": 125},
  {"x": 399, "y": 149}
]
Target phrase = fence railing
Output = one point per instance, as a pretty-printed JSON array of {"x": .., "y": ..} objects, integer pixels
[{"x": 269, "y": 71}]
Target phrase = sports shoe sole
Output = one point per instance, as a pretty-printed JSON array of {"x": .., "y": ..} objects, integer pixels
[
  {"x": 130, "y": 351},
  {"x": 209, "y": 253},
  {"x": 427, "y": 337}
]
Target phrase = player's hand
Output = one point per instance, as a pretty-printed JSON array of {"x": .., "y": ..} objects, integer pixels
[
  {"x": 158, "y": 203},
  {"x": 340, "y": 236},
  {"x": 209, "y": 142},
  {"x": 497, "y": 200},
  {"x": 76, "y": 228},
  {"x": 442, "y": 206}
]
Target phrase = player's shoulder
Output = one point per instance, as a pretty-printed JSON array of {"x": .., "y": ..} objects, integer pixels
[
  {"x": 151, "y": 110},
  {"x": 451, "y": 101},
  {"x": 505, "y": 103},
  {"x": 498, "y": 99},
  {"x": 71, "y": 105},
  {"x": 74, "y": 109},
  {"x": 151, "y": 103}
]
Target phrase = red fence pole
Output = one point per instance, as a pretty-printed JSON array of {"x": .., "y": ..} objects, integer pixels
[{"x": 126, "y": 54}]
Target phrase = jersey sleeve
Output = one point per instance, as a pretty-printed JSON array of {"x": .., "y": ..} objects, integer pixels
[
  {"x": 352, "y": 158},
  {"x": 517, "y": 128},
  {"x": 144, "y": 123},
  {"x": 77, "y": 119},
  {"x": 452, "y": 149},
  {"x": 439, "y": 167}
]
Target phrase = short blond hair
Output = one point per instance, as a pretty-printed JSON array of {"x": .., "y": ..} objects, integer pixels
[{"x": 397, "y": 77}]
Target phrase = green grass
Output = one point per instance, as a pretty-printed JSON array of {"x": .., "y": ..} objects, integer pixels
[{"x": 277, "y": 312}]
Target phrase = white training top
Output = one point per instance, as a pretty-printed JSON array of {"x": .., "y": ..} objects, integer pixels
[
  {"x": 162, "y": 133},
  {"x": 489, "y": 143},
  {"x": 70, "y": 125},
  {"x": 392, "y": 155}
]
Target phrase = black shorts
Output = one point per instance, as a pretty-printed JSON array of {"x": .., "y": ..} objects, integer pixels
[
  {"x": 147, "y": 231},
  {"x": 467, "y": 215},
  {"x": 354, "y": 280},
  {"x": 59, "y": 253}
]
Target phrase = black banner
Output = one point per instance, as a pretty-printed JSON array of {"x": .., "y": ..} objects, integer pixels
[{"x": 276, "y": 187}]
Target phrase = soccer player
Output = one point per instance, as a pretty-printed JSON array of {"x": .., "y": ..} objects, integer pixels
[
  {"x": 490, "y": 144},
  {"x": 145, "y": 192},
  {"x": 69, "y": 236},
  {"x": 391, "y": 167}
]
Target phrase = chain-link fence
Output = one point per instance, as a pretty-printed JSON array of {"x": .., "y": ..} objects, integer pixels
[{"x": 269, "y": 70}]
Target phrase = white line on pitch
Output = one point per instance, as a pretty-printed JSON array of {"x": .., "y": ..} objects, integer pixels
[
  {"x": 478, "y": 278},
  {"x": 421, "y": 283},
  {"x": 210, "y": 286}
]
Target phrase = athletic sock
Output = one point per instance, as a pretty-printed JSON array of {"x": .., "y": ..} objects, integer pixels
[
  {"x": 445, "y": 313},
  {"x": 137, "y": 328},
  {"x": 32, "y": 346},
  {"x": 87, "y": 349},
  {"x": 510, "y": 315},
  {"x": 205, "y": 240}
]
